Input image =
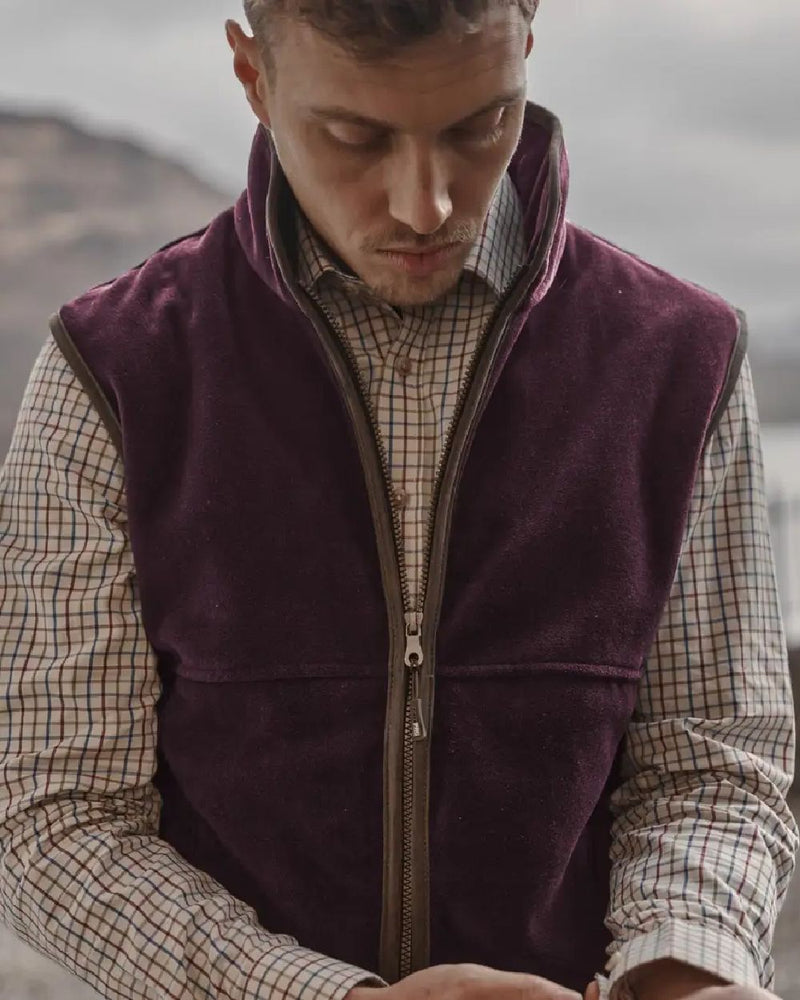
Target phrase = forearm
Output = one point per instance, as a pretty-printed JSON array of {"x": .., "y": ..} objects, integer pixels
[
  {"x": 91, "y": 886},
  {"x": 704, "y": 842},
  {"x": 700, "y": 867}
]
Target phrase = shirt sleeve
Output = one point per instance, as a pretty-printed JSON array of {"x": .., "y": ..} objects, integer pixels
[
  {"x": 84, "y": 877},
  {"x": 703, "y": 841}
]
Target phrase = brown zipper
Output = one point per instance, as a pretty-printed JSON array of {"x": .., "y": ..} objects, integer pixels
[
  {"x": 415, "y": 953},
  {"x": 404, "y": 910},
  {"x": 405, "y": 923},
  {"x": 405, "y": 917}
]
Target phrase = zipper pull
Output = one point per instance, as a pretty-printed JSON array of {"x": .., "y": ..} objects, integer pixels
[
  {"x": 413, "y": 637},
  {"x": 413, "y": 660},
  {"x": 418, "y": 724}
]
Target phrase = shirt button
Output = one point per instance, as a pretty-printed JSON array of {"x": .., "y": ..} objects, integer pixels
[
  {"x": 403, "y": 366},
  {"x": 402, "y": 496}
]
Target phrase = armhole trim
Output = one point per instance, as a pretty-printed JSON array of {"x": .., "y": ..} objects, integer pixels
[
  {"x": 731, "y": 376},
  {"x": 90, "y": 384}
]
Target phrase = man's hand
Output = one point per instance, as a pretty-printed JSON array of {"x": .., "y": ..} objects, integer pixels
[
  {"x": 732, "y": 993},
  {"x": 729, "y": 992},
  {"x": 467, "y": 982}
]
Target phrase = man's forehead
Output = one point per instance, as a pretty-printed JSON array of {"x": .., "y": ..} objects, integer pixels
[{"x": 436, "y": 62}]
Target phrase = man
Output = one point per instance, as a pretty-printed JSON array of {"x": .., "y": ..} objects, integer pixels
[{"x": 389, "y": 598}]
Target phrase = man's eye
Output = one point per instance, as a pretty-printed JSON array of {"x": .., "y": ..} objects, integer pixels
[
  {"x": 356, "y": 138},
  {"x": 482, "y": 137},
  {"x": 484, "y": 133},
  {"x": 352, "y": 137}
]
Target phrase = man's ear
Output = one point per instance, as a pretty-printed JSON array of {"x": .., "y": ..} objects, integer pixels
[{"x": 249, "y": 69}]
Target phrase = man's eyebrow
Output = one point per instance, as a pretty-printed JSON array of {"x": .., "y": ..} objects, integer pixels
[{"x": 341, "y": 114}]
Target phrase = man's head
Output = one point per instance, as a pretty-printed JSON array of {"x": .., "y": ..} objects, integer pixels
[{"x": 379, "y": 111}]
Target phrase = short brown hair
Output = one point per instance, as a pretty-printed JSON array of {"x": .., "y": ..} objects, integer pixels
[{"x": 372, "y": 30}]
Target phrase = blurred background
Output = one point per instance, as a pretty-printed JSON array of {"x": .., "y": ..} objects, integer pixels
[{"x": 122, "y": 127}]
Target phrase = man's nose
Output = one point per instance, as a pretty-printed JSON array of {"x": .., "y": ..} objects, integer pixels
[{"x": 419, "y": 193}]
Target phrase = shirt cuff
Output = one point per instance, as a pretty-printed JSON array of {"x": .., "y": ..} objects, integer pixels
[
  {"x": 300, "y": 974},
  {"x": 708, "y": 948}
]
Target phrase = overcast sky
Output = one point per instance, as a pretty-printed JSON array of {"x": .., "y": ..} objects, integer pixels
[{"x": 682, "y": 117}]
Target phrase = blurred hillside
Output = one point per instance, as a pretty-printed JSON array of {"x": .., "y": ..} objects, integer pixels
[
  {"x": 75, "y": 210},
  {"x": 78, "y": 208}
]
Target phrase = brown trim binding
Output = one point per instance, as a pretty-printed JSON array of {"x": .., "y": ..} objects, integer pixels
[
  {"x": 392, "y": 896},
  {"x": 465, "y": 422},
  {"x": 731, "y": 376},
  {"x": 87, "y": 380}
]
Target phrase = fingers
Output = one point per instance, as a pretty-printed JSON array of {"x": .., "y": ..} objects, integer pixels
[
  {"x": 536, "y": 988},
  {"x": 733, "y": 993}
]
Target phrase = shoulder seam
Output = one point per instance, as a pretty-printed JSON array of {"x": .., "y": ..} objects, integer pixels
[{"x": 86, "y": 378}]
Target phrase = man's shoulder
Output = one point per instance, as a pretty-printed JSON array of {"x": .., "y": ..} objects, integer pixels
[
  {"x": 652, "y": 316},
  {"x": 145, "y": 318},
  {"x": 630, "y": 280},
  {"x": 190, "y": 259}
]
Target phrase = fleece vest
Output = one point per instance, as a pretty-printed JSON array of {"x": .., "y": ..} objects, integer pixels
[{"x": 390, "y": 797}]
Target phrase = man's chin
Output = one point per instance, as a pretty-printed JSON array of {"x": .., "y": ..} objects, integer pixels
[{"x": 408, "y": 291}]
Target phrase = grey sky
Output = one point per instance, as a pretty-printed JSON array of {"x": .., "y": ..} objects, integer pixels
[{"x": 682, "y": 118}]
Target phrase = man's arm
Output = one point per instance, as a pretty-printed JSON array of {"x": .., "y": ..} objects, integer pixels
[
  {"x": 84, "y": 877},
  {"x": 703, "y": 842}
]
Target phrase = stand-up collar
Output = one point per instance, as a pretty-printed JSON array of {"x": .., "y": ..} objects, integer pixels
[
  {"x": 495, "y": 257},
  {"x": 539, "y": 170}
]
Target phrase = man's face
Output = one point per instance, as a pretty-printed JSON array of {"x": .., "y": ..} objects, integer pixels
[{"x": 421, "y": 179}]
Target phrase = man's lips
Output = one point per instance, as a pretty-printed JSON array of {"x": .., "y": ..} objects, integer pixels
[{"x": 416, "y": 250}]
